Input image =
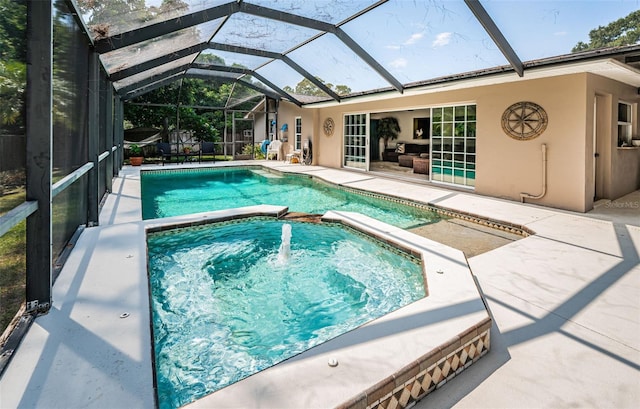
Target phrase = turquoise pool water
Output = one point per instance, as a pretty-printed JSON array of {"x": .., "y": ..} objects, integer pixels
[
  {"x": 167, "y": 194},
  {"x": 229, "y": 299}
]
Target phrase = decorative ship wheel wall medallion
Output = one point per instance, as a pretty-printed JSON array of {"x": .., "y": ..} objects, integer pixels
[
  {"x": 524, "y": 120},
  {"x": 328, "y": 126}
]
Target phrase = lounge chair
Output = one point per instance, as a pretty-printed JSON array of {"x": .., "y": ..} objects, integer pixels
[
  {"x": 208, "y": 148},
  {"x": 164, "y": 151}
]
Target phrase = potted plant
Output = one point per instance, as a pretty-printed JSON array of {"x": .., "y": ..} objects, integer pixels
[
  {"x": 388, "y": 129},
  {"x": 135, "y": 155}
]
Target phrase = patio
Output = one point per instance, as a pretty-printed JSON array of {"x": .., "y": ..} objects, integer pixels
[{"x": 566, "y": 315}]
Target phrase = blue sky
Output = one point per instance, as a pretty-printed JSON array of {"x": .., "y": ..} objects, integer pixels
[
  {"x": 418, "y": 40},
  {"x": 549, "y": 28}
]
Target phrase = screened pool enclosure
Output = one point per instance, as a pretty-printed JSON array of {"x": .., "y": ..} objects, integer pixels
[{"x": 75, "y": 73}]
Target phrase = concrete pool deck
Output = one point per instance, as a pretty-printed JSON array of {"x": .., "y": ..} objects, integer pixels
[{"x": 565, "y": 305}]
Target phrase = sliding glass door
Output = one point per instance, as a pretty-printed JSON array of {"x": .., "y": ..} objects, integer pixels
[
  {"x": 356, "y": 141},
  {"x": 453, "y": 145}
]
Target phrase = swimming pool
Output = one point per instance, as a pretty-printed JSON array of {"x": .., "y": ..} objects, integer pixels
[
  {"x": 233, "y": 298},
  {"x": 172, "y": 193},
  {"x": 433, "y": 349}
]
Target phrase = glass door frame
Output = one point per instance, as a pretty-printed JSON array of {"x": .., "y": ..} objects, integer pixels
[
  {"x": 453, "y": 145},
  {"x": 356, "y": 141}
]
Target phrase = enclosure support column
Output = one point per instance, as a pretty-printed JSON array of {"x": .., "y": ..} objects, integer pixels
[
  {"x": 39, "y": 154},
  {"x": 108, "y": 116},
  {"x": 275, "y": 117},
  {"x": 225, "y": 133},
  {"x": 118, "y": 134},
  {"x": 266, "y": 119},
  {"x": 94, "y": 138},
  {"x": 233, "y": 134}
]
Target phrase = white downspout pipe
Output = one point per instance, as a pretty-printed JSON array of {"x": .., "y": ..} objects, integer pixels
[{"x": 544, "y": 178}]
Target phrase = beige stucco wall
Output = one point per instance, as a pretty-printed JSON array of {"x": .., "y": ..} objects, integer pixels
[
  {"x": 260, "y": 126},
  {"x": 287, "y": 114},
  {"x": 507, "y": 167},
  {"x": 619, "y": 168}
]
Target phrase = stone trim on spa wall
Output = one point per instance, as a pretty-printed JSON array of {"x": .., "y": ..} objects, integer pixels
[{"x": 430, "y": 372}]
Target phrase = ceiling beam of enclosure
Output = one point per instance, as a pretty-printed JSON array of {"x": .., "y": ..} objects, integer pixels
[
  {"x": 152, "y": 31},
  {"x": 239, "y": 102},
  {"x": 209, "y": 73},
  {"x": 276, "y": 56},
  {"x": 150, "y": 87},
  {"x": 154, "y": 78},
  {"x": 496, "y": 35},
  {"x": 156, "y": 62},
  {"x": 212, "y": 76},
  {"x": 165, "y": 27},
  {"x": 71, "y": 4},
  {"x": 245, "y": 71},
  {"x": 327, "y": 28}
]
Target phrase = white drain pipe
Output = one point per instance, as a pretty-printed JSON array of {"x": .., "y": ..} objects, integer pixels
[{"x": 544, "y": 178}]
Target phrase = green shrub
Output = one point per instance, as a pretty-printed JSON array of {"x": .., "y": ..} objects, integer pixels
[{"x": 253, "y": 149}]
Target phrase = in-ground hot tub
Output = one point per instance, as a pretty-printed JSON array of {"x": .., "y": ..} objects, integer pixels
[
  {"x": 397, "y": 358},
  {"x": 233, "y": 298}
]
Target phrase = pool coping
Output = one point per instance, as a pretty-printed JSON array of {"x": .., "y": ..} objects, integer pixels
[{"x": 412, "y": 355}]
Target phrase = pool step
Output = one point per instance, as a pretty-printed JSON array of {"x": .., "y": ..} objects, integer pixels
[
  {"x": 303, "y": 217},
  {"x": 266, "y": 174}
]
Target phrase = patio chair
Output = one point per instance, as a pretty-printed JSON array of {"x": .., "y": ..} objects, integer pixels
[
  {"x": 208, "y": 148},
  {"x": 274, "y": 149},
  {"x": 164, "y": 151}
]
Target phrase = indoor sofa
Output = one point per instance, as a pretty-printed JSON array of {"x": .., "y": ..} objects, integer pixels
[{"x": 402, "y": 148}]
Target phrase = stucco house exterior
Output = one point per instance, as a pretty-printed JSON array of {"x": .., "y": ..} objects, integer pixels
[{"x": 570, "y": 145}]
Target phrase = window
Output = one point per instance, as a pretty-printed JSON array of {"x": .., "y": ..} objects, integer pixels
[
  {"x": 298, "y": 134},
  {"x": 453, "y": 145},
  {"x": 625, "y": 128}
]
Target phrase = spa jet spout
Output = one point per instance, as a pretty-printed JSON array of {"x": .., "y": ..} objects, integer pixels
[{"x": 285, "y": 246}]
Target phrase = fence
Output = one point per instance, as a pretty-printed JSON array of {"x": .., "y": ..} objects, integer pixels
[{"x": 12, "y": 152}]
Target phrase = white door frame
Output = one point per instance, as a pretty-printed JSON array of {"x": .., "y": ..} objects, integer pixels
[{"x": 345, "y": 147}]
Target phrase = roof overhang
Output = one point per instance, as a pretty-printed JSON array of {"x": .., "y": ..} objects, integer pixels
[{"x": 608, "y": 68}]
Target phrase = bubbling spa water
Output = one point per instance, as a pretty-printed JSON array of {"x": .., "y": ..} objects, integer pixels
[
  {"x": 231, "y": 299},
  {"x": 285, "y": 246}
]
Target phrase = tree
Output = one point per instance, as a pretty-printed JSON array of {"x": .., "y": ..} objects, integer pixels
[
  {"x": 106, "y": 18},
  {"x": 13, "y": 67},
  {"x": 12, "y": 87},
  {"x": 306, "y": 87},
  {"x": 13, "y": 29},
  {"x": 388, "y": 129},
  {"x": 102, "y": 16},
  {"x": 207, "y": 124},
  {"x": 624, "y": 31}
]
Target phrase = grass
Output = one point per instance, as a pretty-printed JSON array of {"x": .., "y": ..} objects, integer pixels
[
  {"x": 12, "y": 261},
  {"x": 13, "y": 243}
]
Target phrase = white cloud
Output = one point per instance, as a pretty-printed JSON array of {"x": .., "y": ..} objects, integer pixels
[
  {"x": 392, "y": 47},
  {"x": 560, "y": 33},
  {"x": 399, "y": 63},
  {"x": 441, "y": 40},
  {"x": 414, "y": 38}
]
